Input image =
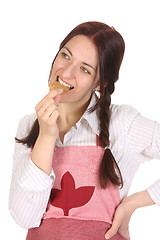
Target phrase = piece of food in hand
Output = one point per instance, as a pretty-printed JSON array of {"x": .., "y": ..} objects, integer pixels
[{"x": 56, "y": 85}]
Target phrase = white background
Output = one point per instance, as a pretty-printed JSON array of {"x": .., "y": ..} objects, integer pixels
[{"x": 30, "y": 34}]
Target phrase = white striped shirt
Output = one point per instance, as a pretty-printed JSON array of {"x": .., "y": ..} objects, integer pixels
[{"x": 134, "y": 140}]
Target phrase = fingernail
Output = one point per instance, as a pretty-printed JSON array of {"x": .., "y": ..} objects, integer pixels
[{"x": 106, "y": 237}]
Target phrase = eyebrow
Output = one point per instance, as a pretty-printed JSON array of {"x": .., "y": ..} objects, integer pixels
[
  {"x": 87, "y": 64},
  {"x": 68, "y": 51}
]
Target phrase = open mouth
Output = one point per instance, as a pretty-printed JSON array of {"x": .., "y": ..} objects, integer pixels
[{"x": 64, "y": 83}]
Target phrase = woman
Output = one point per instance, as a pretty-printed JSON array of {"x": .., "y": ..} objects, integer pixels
[{"x": 75, "y": 159}]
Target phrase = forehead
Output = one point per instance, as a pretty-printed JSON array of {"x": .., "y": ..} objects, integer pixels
[{"x": 83, "y": 48}]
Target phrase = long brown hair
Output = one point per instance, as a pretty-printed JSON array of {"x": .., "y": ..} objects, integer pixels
[{"x": 110, "y": 46}]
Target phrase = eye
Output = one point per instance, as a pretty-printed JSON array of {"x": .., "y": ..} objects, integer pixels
[
  {"x": 85, "y": 70},
  {"x": 64, "y": 55}
]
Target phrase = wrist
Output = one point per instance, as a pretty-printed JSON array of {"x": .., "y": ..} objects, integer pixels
[
  {"x": 42, "y": 153},
  {"x": 138, "y": 200},
  {"x": 47, "y": 138}
]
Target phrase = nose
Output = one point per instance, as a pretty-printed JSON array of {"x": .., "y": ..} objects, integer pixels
[{"x": 69, "y": 71}]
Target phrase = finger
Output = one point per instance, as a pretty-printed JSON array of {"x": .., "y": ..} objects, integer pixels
[
  {"x": 112, "y": 231},
  {"x": 57, "y": 99},
  {"x": 124, "y": 232},
  {"x": 50, "y": 116},
  {"x": 44, "y": 107},
  {"x": 52, "y": 94},
  {"x": 50, "y": 110},
  {"x": 47, "y": 114},
  {"x": 54, "y": 115},
  {"x": 51, "y": 120}
]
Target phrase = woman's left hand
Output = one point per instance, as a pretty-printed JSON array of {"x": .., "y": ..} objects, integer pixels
[
  {"x": 121, "y": 219},
  {"x": 124, "y": 212}
]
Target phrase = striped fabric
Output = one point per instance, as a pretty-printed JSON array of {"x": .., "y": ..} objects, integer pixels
[{"x": 134, "y": 140}]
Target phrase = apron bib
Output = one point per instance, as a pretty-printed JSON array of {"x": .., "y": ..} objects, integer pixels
[{"x": 78, "y": 208}]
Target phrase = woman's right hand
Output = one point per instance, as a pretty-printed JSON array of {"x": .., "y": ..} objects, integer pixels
[{"x": 47, "y": 114}]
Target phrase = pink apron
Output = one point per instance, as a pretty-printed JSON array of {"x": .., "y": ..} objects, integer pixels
[{"x": 78, "y": 208}]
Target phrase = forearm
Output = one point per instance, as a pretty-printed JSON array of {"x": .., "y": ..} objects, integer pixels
[
  {"x": 138, "y": 200},
  {"x": 42, "y": 153},
  {"x": 47, "y": 113},
  {"x": 29, "y": 197},
  {"x": 29, "y": 191}
]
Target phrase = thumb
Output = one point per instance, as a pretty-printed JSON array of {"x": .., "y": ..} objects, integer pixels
[
  {"x": 112, "y": 231},
  {"x": 58, "y": 97}
]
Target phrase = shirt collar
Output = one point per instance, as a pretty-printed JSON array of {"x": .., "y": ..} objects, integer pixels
[{"x": 92, "y": 117}]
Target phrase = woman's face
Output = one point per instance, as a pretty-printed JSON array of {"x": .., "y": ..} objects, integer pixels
[{"x": 77, "y": 65}]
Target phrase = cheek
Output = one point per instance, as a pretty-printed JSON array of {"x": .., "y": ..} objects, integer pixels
[
  {"x": 57, "y": 64},
  {"x": 85, "y": 82}
]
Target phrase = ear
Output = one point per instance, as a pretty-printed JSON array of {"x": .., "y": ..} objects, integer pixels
[{"x": 96, "y": 86}]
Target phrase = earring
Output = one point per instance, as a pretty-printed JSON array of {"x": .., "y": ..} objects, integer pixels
[{"x": 97, "y": 89}]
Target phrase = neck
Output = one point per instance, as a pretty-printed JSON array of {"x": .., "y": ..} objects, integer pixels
[{"x": 70, "y": 113}]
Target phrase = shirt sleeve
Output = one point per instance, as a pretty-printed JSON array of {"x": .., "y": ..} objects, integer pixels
[
  {"x": 144, "y": 138},
  {"x": 30, "y": 186}
]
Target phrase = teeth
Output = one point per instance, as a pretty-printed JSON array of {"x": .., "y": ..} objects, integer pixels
[{"x": 63, "y": 83}]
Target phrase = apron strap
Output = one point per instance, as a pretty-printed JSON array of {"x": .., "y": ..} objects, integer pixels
[{"x": 97, "y": 141}]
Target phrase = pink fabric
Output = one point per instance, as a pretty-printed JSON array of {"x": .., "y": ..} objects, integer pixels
[
  {"x": 70, "y": 229},
  {"x": 78, "y": 207},
  {"x": 81, "y": 164}
]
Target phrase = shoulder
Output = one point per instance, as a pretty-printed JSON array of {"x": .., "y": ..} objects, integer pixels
[
  {"x": 123, "y": 110},
  {"x": 123, "y": 114},
  {"x": 25, "y": 124}
]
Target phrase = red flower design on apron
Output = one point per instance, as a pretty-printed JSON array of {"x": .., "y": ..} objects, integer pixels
[{"x": 70, "y": 197}]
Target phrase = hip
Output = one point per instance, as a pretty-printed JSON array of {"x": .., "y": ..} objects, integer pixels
[{"x": 70, "y": 229}]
